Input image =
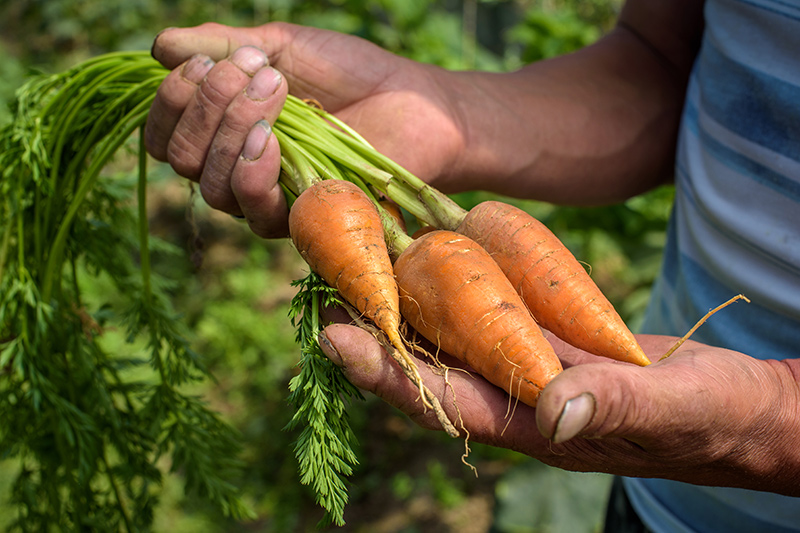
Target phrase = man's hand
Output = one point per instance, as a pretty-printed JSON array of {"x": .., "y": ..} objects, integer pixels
[
  {"x": 705, "y": 415},
  {"x": 211, "y": 117}
]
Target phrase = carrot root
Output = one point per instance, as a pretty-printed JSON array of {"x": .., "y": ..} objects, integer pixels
[
  {"x": 456, "y": 296},
  {"x": 409, "y": 368},
  {"x": 337, "y": 230},
  {"x": 551, "y": 281},
  {"x": 701, "y": 322}
]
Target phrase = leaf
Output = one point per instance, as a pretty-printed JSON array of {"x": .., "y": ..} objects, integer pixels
[{"x": 319, "y": 393}]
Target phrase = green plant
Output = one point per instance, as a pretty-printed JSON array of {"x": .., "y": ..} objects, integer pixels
[
  {"x": 320, "y": 394},
  {"x": 89, "y": 424}
]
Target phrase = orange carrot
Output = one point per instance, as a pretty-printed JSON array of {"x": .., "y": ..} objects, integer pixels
[
  {"x": 555, "y": 286},
  {"x": 394, "y": 210},
  {"x": 338, "y": 232},
  {"x": 456, "y": 296}
]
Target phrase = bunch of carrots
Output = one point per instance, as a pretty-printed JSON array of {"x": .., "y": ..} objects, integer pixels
[{"x": 479, "y": 285}]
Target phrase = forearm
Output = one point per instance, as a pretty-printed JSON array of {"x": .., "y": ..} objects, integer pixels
[
  {"x": 770, "y": 458},
  {"x": 591, "y": 127}
]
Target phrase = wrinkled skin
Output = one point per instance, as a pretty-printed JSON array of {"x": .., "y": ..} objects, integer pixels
[{"x": 704, "y": 415}]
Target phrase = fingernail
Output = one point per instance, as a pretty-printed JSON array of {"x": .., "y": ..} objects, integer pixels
[
  {"x": 250, "y": 59},
  {"x": 155, "y": 41},
  {"x": 575, "y": 416},
  {"x": 196, "y": 68},
  {"x": 328, "y": 349},
  {"x": 256, "y": 140},
  {"x": 264, "y": 84}
]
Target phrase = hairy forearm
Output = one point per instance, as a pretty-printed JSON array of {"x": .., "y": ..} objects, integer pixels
[{"x": 595, "y": 126}]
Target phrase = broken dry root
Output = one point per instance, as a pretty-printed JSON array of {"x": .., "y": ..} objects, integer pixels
[{"x": 700, "y": 323}]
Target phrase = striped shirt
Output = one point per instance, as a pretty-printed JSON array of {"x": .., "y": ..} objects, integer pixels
[{"x": 735, "y": 228}]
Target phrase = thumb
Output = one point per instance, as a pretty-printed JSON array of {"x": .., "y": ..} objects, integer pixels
[
  {"x": 596, "y": 400},
  {"x": 173, "y": 46}
]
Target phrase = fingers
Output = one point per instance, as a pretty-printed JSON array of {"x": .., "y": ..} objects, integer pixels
[
  {"x": 173, "y": 46},
  {"x": 611, "y": 399},
  {"x": 211, "y": 134},
  {"x": 210, "y": 121},
  {"x": 202, "y": 117},
  {"x": 254, "y": 186},
  {"x": 484, "y": 410},
  {"x": 588, "y": 400},
  {"x": 173, "y": 95}
]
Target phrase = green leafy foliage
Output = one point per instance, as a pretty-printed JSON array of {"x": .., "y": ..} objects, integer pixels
[
  {"x": 320, "y": 394},
  {"x": 543, "y": 34},
  {"x": 88, "y": 425}
]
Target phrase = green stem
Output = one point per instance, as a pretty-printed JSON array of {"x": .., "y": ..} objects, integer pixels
[
  {"x": 117, "y": 493},
  {"x": 297, "y": 170},
  {"x": 144, "y": 230},
  {"x": 397, "y": 240},
  {"x": 6, "y": 238},
  {"x": 115, "y": 138},
  {"x": 319, "y": 132},
  {"x": 99, "y": 129},
  {"x": 434, "y": 207}
]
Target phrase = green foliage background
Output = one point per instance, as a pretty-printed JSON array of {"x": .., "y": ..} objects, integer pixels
[{"x": 235, "y": 288}]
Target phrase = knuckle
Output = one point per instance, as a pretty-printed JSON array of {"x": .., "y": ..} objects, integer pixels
[
  {"x": 184, "y": 156},
  {"x": 216, "y": 194},
  {"x": 214, "y": 94},
  {"x": 221, "y": 85}
]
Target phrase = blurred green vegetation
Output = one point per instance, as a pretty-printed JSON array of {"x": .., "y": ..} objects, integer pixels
[{"x": 235, "y": 288}]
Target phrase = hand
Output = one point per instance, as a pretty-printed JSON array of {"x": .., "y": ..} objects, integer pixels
[
  {"x": 211, "y": 116},
  {"x": 705, "y": 415}
]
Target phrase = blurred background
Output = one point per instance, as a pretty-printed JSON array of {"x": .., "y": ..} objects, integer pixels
[{"x": 235, "y": 289}]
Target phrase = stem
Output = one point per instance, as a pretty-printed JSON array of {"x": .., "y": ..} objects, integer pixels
[
  {"x": 5, "y": 240},
  {"x": 133, "y": 120},
  {"x": 321, "y": 133},
  {"x": 397, "y": 240},
  {"x": 298, "y": 171},
  {"x": 144, "y": 230},
  {"x": 315, "y": 328},
  {"x": 437, "y": 208},
  {"x": 99, "y": 129},
  {"x": 122, "y": 509}
]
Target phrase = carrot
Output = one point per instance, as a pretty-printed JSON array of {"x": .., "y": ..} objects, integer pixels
[
  {"x": 555, "y": 286},
  {"x": 542, "y": 272},
  {"x": 338, "y": 232},
  {"x": 456, "y": 296},
  {"x": 394, "y": 210}
]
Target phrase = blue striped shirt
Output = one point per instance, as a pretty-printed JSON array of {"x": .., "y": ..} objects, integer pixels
[{"x": 735, "y": 228}]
